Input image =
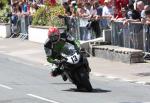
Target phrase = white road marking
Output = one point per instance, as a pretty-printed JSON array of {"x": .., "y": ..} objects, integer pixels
[
  {"x": 44, "y": 99},
  {"x": 141, "y": 82},
  {"x": 4, "y": 86},
  {"x": 111, "y": 77},
  {"x": 96, "y": 74}
]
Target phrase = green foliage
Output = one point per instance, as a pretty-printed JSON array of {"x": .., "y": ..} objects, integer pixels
[
  {"x": 47, "y": 16},
  {"x": 40, "y": 17},
  {"x": 4, "y": 14},
  {"x": 3, "y": 3}
]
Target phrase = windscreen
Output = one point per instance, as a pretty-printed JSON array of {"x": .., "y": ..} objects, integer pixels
[{"x": 68, "y": 49}]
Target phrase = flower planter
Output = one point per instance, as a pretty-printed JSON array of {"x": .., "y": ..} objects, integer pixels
[
  {"x": 39, "y": 33},
  {"x": 5, "y": 30}
]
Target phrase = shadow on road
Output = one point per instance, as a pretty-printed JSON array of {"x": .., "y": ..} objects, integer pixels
[
  {"x": 60, "y": 83},
  {"x": 144, "y": 74},
  {"x": 96, "y": 90}
]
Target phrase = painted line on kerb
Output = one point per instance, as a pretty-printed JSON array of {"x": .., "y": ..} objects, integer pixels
[
  {"x": 4, "y": 86},
  {"x": 41, "y": 98}
]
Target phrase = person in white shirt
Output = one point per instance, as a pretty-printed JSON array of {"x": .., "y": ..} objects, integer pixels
[
  {"x": 107, "y": 12},
  {"x": 84, "y": 16}
]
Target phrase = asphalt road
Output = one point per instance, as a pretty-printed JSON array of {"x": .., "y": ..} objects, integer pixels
[{"x": 23, "y": 83}]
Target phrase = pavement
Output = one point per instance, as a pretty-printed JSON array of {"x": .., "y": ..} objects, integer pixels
[{"x": 33, "y": 53}]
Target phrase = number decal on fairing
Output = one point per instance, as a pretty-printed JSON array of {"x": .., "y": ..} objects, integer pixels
[{"x": 74, "y": 58}]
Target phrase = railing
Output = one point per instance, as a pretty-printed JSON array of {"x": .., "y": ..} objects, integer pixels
[
  {"x": 132, "y": 35},
  {"x": 24, "y": 24},
  {"x": 73, "y": 26},
  {"x": 77, "y": 28},
  {"x": 21, "y": 26},
  {"x": 146, "y": 38}
]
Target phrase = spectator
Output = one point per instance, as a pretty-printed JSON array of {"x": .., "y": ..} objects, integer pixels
[
  {"x": 140, "y": 8},
  {"x": 107, "y": 9},
  {"x": 14, "y": 19},
  {"x": 66, "y": 8},
  {"x": 119, "y": 4},
  {"x": 25, "y": 17},
  {"x": 68, "y": 13},
  {"x": 25, "y": 7},
  {"x": 146, "y": 7},
  {"x": 20, "y": 7},
  {"x": 93, "y": 10},
  {"x": 147, "y": 13},
  {"x": 64, "y": 1},
  {"x": 84, "y": 15},
  {"x": 14, "y": 16},
  {"x": 123, "y": 15},
  {"x": 96, "y": 14},
  {"x": 101, "y": 2},
  {"x": 33, "y": 9},
  {"x": 133, "y": 15},
  {"x": 73, "y": 8},
  {"x": 82, "y": 1},
  {"x": 88, "y": 6},
  {"x": 107, "y": 14},
  {"x": 69, "y": 1},
  {"x": 99, "y": 8},
  {"x": 131, "y": 2}
]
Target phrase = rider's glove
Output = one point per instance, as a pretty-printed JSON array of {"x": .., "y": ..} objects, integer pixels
[
  {"x": 56, "y": 72},
  {"x": 57, "y": 62},
  {"x": 49, "y": 60}
]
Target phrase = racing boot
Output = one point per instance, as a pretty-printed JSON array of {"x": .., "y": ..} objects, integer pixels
[{"x": 56, "y": 72}]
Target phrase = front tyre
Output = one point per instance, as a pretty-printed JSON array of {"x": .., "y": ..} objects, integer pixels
[{"x": 84, "y": 83}]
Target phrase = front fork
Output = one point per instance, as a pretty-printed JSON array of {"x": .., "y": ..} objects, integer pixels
[{"x": 86, "y": 64}]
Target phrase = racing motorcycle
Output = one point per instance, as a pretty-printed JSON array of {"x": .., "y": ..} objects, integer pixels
[{"x": 75, "y": 66}]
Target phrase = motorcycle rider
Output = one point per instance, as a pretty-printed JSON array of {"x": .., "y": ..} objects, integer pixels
[{"x": 53, "y": 46}]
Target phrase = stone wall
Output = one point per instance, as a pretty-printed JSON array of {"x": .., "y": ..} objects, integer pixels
[{"x": 116, "y": 53}]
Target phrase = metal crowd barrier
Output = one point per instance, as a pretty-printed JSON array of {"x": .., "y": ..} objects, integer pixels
[
  {"x": 21, "y": 27},
  {"x": 73, "y": 23},
  {"x": 24, "y": 27},
  {"x": 117, "y": 34},
  {"x": 133, "y": 35},
  {"x": 146, "y": 38}
]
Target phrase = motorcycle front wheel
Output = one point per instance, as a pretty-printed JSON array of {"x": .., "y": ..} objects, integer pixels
[{"x": 83, "y": 82}]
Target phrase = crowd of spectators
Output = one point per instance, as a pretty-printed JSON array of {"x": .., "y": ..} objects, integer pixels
[
  {"x": 94, "y": 16},
  {"x": 90, "y": 15},
  {"x": 22, "y": 15},
  {"x": 102, "y": 14}
]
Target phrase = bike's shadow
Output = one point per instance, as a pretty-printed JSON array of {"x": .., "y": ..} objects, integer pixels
[{"x": 96, "y": 90}]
